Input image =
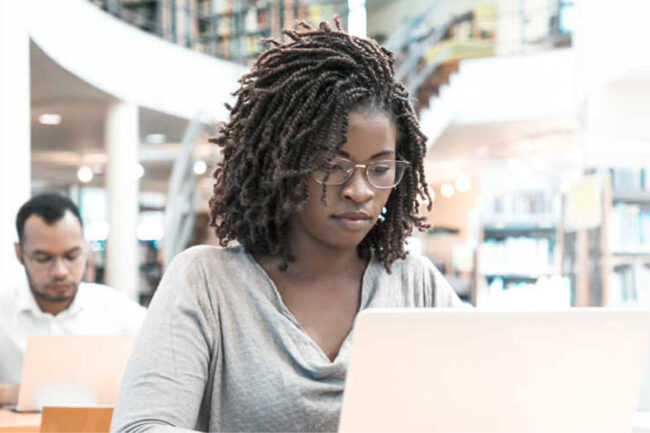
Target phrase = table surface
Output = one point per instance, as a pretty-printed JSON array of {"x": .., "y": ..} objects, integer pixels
[
  {"x": 11, "y": 421},
  {"x": 19, "y": 422}
]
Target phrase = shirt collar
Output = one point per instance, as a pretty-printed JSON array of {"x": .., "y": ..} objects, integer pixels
[
  {"x": 26, "y": 302},
  {"x": 78, "y": 303}
]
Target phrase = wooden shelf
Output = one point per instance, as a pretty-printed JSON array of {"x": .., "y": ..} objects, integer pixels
[
  {"x": 638, "y": 197},
  {"x": 626, "y": 258},
  {"x": 533, "y": 231},
  {"x": 525, "y": 277},
  {"x": 631, "y": 253},
  {"x": 593, "y": 259}
]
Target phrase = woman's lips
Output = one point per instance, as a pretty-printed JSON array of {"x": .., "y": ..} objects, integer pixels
[{"x": 352, "y": 223}]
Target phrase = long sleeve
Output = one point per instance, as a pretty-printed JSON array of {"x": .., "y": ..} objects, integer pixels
[{"x": 166, "y": 385}]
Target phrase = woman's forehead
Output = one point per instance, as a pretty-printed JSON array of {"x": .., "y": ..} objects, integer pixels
[{"x": 369, "y": 134}]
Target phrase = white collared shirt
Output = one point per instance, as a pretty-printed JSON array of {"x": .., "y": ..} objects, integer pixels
[{"x": 95, "y": 310}]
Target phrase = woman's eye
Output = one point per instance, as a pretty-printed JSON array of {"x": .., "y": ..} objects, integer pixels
[{"x": 381, "y": 169}]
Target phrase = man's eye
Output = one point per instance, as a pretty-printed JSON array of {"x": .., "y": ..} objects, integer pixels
[
  {"x": 72, "y": 257},
  {"x": 42, "y": 259}
]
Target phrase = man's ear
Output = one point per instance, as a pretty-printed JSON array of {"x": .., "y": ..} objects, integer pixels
[{"x": 19, "y": 252}]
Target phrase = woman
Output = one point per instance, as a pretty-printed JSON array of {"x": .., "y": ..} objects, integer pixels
[{"x": 318, "y": 187}]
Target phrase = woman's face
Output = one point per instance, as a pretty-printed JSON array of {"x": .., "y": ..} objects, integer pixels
[{"x": 354, "y": 207}]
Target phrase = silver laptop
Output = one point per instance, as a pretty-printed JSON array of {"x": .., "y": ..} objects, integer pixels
[
  {"x": 72, "y": 370},
  {"x": 429, "y": 370},
  {"x": 644, "y": 402}
]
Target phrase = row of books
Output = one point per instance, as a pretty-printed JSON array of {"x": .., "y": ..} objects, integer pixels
[
  {"x": 629, "y": 285},
  {"x": 629, "y": 229},
  {"x": 207, "y": 7},
  {"x": 534, "y": 207},
  {"x": 630, "y": 179},
  {"x": 239, "y": 47},
  {"x": 517, "y": 256},
  {"x": 547, "y": 292},
  {"x": 254, "y": 20},
  {"x": 234, "y": 29}
]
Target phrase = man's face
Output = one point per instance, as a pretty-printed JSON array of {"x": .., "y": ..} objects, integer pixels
[{"x": 54, "y": 257}]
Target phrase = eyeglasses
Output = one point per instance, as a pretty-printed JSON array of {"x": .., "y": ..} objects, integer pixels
[
  {"x": 44, "y": 262},
  {"x": 379, "y": 174}
]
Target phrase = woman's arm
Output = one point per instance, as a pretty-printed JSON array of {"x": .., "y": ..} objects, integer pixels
[{"x": 164, "y": 386}]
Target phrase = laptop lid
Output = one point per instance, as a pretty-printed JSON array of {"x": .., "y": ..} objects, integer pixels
[
  {"x": 433, "y": 370},
  {"x": 79, "y": 370},
  {"x": 644, "y": 401}
]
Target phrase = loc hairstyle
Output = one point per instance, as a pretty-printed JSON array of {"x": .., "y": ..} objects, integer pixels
[{"x": 292, "y": 106}]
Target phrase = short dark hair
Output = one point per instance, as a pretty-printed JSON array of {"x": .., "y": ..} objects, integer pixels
[
  {"x": 50, "y": 207},
  {"x": 293, "y": 105}
]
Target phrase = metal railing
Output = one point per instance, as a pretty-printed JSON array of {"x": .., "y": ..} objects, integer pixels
[
  {"x": 233, "y": 29},
  {"x": 425, "y": 41}
]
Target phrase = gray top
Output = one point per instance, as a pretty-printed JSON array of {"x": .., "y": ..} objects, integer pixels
[{"x": 219, "y": 350}]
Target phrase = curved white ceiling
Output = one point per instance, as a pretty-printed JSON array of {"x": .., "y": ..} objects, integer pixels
[{"x": 130, "y": 64}]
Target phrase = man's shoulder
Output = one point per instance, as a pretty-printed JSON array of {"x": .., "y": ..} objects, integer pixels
[
  {"x": 98, "y": 289},
  {"x": 12, "y": 295},
  {"x": 7, "y": 294},
  {"x": 99, "y": 294},
  {"x": 8, "y": 300}
]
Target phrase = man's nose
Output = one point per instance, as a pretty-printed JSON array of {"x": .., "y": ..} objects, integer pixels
[
  {"x": 59, "y": 268},
  {"x": 357, "y": 188}
]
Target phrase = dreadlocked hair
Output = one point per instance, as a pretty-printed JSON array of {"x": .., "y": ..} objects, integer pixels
[{"x": 292, "y": 106}]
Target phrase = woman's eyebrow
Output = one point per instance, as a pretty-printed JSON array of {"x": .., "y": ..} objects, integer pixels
[
  {"x": 384, "y": 153},
  {"x": 376, "y": 155}
]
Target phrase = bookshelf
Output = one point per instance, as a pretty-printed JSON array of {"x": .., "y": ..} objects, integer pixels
[
  {"x": 230, "y": 29},
  {"x": 144, "y": 14},
  {"x": 150, "y": 267},
  {"x": 233, "y": 29},
  {"x": 608, "y": 259},
  {"x": 519, "y": 242}
]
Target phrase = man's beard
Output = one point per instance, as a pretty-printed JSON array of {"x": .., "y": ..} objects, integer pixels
[{"x": 49, "y": 298}]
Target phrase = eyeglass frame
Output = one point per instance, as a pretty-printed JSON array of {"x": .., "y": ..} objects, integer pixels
[
  {"x": 68, "y": 263},
  {"x": 365, "y": 172}
]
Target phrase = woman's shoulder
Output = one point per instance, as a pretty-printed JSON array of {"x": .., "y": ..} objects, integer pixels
[
  {"x": 210, "y": 255},
  {"x": 420, "y": 270},
  {"x": 202, "y": 270},
  {"x": 414, "y": 264}
]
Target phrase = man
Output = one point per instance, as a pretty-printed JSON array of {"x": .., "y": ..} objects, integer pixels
[{"x": 54, "y": 301}]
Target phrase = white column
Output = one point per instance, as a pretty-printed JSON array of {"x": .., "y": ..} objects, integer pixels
[
  {"x": 122, "y": 140},
  {"x": 357, "y": 18},
  {"x": 15, "y": 151}
]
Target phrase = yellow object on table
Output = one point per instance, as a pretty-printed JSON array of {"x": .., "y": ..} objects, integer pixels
[{"x": 76, "y": 419}]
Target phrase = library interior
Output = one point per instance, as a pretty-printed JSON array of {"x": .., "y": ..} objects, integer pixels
[{"x": 537, "y": 144}]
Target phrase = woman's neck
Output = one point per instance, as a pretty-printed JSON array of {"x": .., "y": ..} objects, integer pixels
[{"x": 314, "y": 262}]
